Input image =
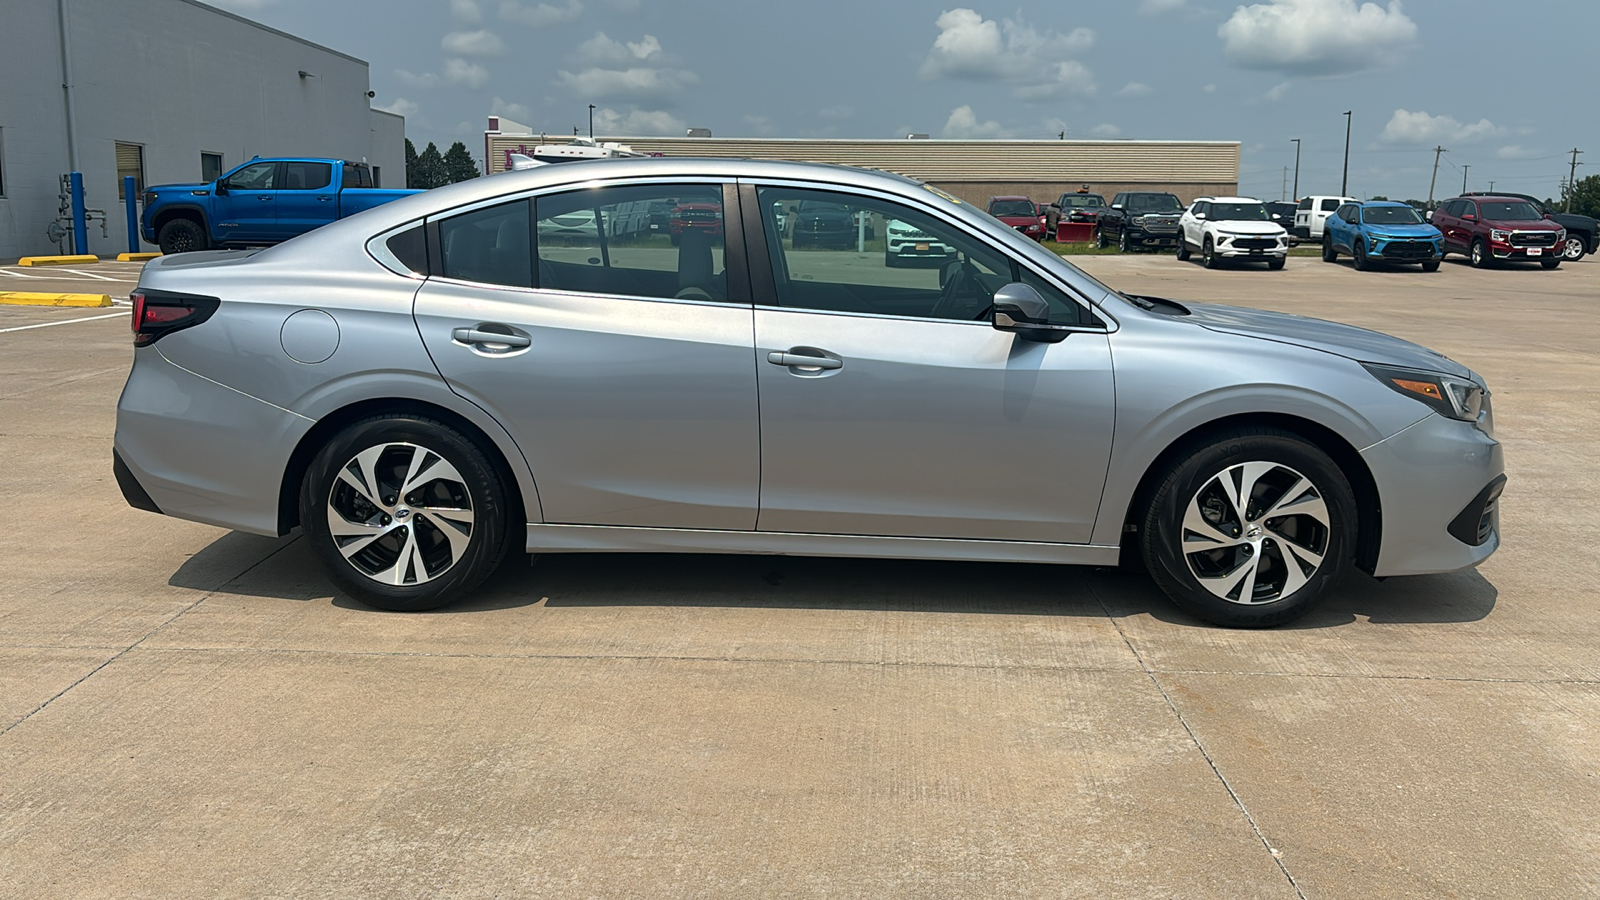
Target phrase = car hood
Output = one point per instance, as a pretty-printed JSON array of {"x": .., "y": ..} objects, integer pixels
[
  {"x": 1248, "y": 226},
  {"x": 1523, "y": 224},
  {"x": 1330, "y": 337},
  {"x": 1405, "y": 231},
  {"x": 1019, "y": 220}
]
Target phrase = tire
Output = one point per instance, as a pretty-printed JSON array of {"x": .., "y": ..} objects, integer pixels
[
  {"x": 1328, "y": 253},
  {"x": 1430, "y": 265},
  {"x": 1358, "y": 255},
  {"x": 1252, "y": 548},
  {"x": 1122, "y": 242},
  {"x": 1574, "y": 249},
  {"x": 1183, "y": 249},
  {"x": 890, "y": 261},
  {"x": 1480, "y": 255},
  {"x": 181, "y": 236},
  {"x": 1276, "y": 263},
  {"x": 457, "y": 509},
  {"x": 1548, "y": 264},
  {"x": 1209, "y": 255},
  {"x": 1100, "y": 239}
]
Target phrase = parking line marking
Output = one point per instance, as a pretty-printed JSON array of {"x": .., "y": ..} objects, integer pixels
[
  {"x": 89, "y": 275},
  {"x": 20, "y": 274},
  {"x": 63, "y": 322}
]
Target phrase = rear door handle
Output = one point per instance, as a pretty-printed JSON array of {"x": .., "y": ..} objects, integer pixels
[
  {"x": 476, "y": 336},
  {"x": 780, "y": 358}
]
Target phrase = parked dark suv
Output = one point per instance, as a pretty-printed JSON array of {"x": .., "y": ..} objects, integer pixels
[
  {"x": 1139, "y": 219},
  {"x": 1495, "y": 229},
  {"x": 1583, "y": 232}
]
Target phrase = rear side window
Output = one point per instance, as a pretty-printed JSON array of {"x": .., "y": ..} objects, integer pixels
[
  {"x": 411, "y": 248},
  {"x": 489, "y": 246},
  {"x": 306, "y": 176},
  {"x": 1329, "y": 205},
  {"x": 355, "y": 177},
  {"x": 1304, "y": 204},
  {"x": 659, "y": 241}
]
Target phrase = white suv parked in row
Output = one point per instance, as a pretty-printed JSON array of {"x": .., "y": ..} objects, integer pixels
[{"x": 1221, "y": 228}]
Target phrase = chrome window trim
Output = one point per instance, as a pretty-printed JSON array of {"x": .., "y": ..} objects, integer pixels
[
  {"x": 576, "y": 186},
  {"x": 377, "y": 247},
  {"x": 458, "y": 282},
  {"x": 800, "y": 310}
]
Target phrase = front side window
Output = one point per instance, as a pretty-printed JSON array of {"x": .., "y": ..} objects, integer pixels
[
  {"x": 306, "y": 176},
  {"x": 489, "y": 246},
  {"x": 659, "y": 241},
  {"x": 254, "y": 177},
  {"x": 862, "y": 255},
  {"x": 1348, "y": 214},
  {"x": 1304, "y": 204}
]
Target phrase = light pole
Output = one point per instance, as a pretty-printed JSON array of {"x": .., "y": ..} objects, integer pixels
[
  {"x": 1344, "y": 185},
  {"x": 1464, "y": 178},
  {"x": 591, "y": 123},
  {"x": 1295, "y": 196}
]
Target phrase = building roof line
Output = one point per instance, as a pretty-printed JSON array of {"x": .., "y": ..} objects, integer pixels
[
  {"x": 254, "y": 24},
  {"x": 911, "y": 141}
]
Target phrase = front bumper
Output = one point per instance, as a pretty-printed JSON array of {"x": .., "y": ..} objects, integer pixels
[
  {"x": 1403, "y": 249},
  {"x": 1163, "y": 238},
  {"x": 1229, "y": 247},
  {"x": 1433, "y": 477}
]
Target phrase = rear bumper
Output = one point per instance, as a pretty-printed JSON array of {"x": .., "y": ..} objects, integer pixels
[{"x": 1432, "y": 478}]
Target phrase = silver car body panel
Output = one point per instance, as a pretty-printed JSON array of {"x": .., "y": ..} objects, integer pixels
[{"x": 932, "y": 440}]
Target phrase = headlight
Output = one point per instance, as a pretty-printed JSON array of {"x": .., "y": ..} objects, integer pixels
[
  {"x": 1455, "y": 398},
  {"x": 1561, "y": 235},
  {"x": 1496, "y": 234}
]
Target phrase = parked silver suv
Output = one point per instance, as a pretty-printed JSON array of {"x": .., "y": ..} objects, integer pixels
[{"x": 447, "y": 379}]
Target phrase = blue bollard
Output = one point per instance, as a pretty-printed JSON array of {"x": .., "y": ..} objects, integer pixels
[
  {"x": 80, "y": 223},
  {"x": 128, "y": 188}
]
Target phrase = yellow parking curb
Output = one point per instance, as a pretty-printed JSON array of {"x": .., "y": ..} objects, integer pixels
[
  {"x": 57, "y": 260},
  {"x": 136, "y": 257},
  {"x": 26, "y": 298}
]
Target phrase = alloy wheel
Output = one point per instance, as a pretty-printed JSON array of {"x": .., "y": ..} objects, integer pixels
[
  {"x": 1255, "y": 532},
  {"x": 400, "y": 514},
  {"x": 1573, "y": 249}
]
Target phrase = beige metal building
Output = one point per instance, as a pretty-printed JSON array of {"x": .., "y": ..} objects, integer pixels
[{"x": 972, "y": 170}]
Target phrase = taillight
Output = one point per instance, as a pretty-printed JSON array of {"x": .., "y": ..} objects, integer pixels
[{"x": 159, "y": 313}]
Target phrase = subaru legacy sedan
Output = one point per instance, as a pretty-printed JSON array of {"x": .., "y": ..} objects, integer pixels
[{"x": 438, "y": 383}]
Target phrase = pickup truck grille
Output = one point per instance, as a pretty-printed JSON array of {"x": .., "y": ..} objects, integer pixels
[
  {"x": 1158, "y": 224},
  {"x": 1408, "y": 250},
  {"x": 1533, "y": 238}
]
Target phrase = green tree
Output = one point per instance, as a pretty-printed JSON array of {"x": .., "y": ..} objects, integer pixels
[
  {"x": 431, "y": 172},
  {"x": 1377, "y": 197},
  {"x": 459, "y": 164},
  {"x": 1585, "y": 197},
  {"x": 411, "y": 164}
]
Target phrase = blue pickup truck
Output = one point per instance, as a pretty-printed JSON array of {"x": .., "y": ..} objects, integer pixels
[{"x": 264, "y": 201}]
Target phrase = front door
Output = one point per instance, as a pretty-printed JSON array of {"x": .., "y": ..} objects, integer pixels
[
  {"x": 890, "y": 406},
  {"x": 306, "y": 199},
  {"x": 248, "y": 211},
  {"x": 619, "y": 361}
]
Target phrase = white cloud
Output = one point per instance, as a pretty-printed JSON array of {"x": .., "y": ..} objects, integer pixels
[
  {"x": 1514, "y": 151},
  {"x": 411, "y": 79},
  {"x": 650, "y": 87},
  {"x": 640, "y": 122},
  {"x": 1407, "y": 127},
  {"x": 972, "y": 48},
  {"x": 841, "y": 111},
  {"x": 1316, "y": 37},
  {"x": 514, "y": 111},
  {"x": 470, "y": 74},
  {"x": 472, "y": 43},
  {"x": 400, "y": 107},
  {"x": 601, "y": 50},
  {"x": 1105, "y": 131},
  {"x": 541, "y": 15},
  {"x": 1277, "y": 91},
  {"x": 963, "y": 123},
  {"x": 1135, "y": 89},
  {"x": 1210, "y": 89},
  {"x": 466, "y": 11},
  {"x": 1157, "y": 7}
]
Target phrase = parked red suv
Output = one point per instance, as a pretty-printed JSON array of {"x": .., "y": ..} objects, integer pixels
[
  {"x": 1020, "y": 213},
  {"x": 1490, "y": 230}
]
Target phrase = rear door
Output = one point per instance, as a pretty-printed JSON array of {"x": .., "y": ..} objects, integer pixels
[
  {"x": 620, "y": 362},
  {"x": 307, "y": 197},
  {"x": 890, "y": 406},
  {"x": 248, "y": 210}
]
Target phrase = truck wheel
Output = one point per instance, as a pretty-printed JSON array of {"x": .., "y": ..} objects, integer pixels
[
  {"x": 1574, "y": 249},
  {"x": 1122, "y": 242},
  {"x": 181, "y": 236}
]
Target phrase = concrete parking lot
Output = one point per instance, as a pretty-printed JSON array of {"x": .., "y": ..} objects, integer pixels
[{"x": 190, "y": 712}]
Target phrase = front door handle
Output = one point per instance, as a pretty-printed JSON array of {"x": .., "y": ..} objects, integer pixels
[
  {"x": 259, "y": 197},
  {"x": 800, "y": 360},
  {"x": 477, "y": 336}
]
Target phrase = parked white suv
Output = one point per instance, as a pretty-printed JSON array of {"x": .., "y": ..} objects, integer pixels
[
  {"x": 1221, "y": 228},
  {"x": 1312, "y": 212}
]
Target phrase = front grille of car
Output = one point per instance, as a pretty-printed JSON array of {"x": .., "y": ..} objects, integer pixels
[
  {"x": 1408, "y": 249},
  {"x": 1159, "y": 224},
  {"x": 1254, "y": 243},
  {"x": 1533, "y": 238}
]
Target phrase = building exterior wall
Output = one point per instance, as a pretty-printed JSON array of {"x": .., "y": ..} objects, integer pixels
[
  {"x": 178, "y": 78},
  {"x": 388, "y": 157},
  {"x": 972, "y": 170}
]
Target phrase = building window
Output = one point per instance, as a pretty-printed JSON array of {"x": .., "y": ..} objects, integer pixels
[
  {"x": 377, "y": 176},
  {"x": 130, "y": 161},
  {"x": 210, "y": 167}
]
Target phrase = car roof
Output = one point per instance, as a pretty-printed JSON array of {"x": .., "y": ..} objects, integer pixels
[
  {"x": 1366, "y": 203},
  {"x": 1507, "y": 198},
  {"x": 1232, "y": 199},
  {"x": 1009, "y": 197}
]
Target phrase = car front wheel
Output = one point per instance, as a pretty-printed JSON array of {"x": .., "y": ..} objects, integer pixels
[
  {"x": 1481, "y": 258},
  {"x": 181, "y": 236},
  {"x": 1249, "y": 530},
  {"x": 1122, "y": 242},
  {"x": 1328, "y": 253},
  {"x": 405, "y": 513},
  {"x": 1208, "y": 253}
]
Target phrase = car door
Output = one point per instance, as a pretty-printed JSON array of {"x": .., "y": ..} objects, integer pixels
[
  {"x": 246, "y": 209},
  {"x": 1447, "y": 219},
  {"x": 1336, "y": 229},
  {"x": 1194, "y": 224},
  {"x": 619, "y": 361},
  {"x": 889, "y": 404},
  {"x": 306, "y": 197}
]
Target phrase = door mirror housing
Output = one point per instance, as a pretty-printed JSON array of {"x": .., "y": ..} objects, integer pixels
[
  {"x": 1116, "y": 206},
  {"x": 1020, "y": 310},
  {"x": 1200, "y": 216},
  {"x": 221, "y": 190},
  {"x": 1468, "y": 217}
]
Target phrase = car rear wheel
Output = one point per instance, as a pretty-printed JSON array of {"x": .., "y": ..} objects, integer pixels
[
  {"x": 1249, "y": 530},
  {"x": 1574, "y": 249},
  {"x": 181, "y": 236},
  {"x": 1481, "y": 258},
  {"x": 1328, "y": 253},
  {"x": 1208, "y": 253},
  {"x": 405, "y": 513}
]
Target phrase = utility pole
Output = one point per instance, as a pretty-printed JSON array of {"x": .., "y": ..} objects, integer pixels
[
  {"x": 1437, "y": 152},
  {"x": 1296, "y": 195},
  {"x": 1491, "y": 187},
  {"x": 591, "y": 123},
  {"x": 1464, "y": 178},
  {"x": 1344, "y": 186},
  {"x": 1572, "y": 178},
  {"x": 1285, "y": 186}
]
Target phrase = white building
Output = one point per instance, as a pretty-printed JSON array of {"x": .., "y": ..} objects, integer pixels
[{"x": 166, "y": 91}]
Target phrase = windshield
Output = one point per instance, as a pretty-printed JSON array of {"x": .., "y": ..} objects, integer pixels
[
  {"x": 1238, "y": 212},
  {"x": 1391, "y": 215},
  {"x": 1080, "y": 201},
  {"x": 1153, "y": 203},
  {"x": 1519, "y": 211},
  {"x": 1011, "y": 208}
]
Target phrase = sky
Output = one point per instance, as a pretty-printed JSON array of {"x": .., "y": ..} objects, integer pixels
[{"x": 1508, "y": 89}]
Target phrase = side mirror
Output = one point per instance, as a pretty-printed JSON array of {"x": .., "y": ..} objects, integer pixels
[
  {"x": 222, "y": 188},
  {"x": 1469, "y": 217},
  {"x": 1116, "y": 206},
  {"x": 1200, "y": 216},
  {"x": 1020, "y": 310}
]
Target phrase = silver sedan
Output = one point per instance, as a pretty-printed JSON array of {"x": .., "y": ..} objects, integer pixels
[{"x": 499, "y": 365}]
